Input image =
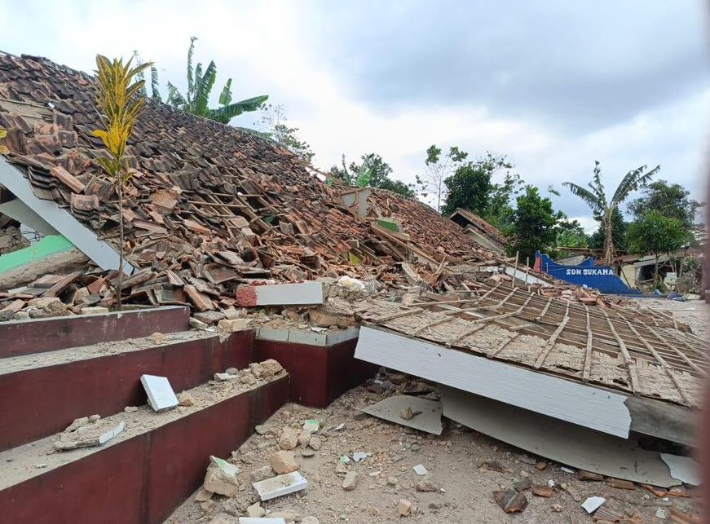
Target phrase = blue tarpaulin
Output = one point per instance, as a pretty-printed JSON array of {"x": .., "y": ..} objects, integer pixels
[{"x": 587, "y": 274}]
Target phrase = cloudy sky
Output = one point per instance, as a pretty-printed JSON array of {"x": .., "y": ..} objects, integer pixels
[{"x": 554, "y": 85}]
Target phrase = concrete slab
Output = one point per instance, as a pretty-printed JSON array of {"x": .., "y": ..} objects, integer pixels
[
  {"x": 428, "y": 418},
  {"x": 160, "y": 394},
  {"x": 261, "y": 520},
  {"x": 280, "y": 486},
  {"x": 301, "y": 294},
  {"x": 557, "y": 440}
]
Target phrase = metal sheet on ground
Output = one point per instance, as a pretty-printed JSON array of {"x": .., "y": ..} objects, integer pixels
[
  {"x": 556, "y": 440},
  {"x": 428, "y": 419}
]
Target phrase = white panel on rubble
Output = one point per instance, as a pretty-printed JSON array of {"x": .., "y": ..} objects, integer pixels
[{"x": 160, "y": 393}]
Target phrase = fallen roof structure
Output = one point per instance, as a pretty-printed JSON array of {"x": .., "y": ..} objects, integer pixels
[
  {"x": 480, "y": 230},
  {"x": 567, "y": 361},
  {"x": 208, "y": 206}
]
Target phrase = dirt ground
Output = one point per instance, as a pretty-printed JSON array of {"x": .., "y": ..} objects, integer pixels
[{"x": 455, "y": 464}]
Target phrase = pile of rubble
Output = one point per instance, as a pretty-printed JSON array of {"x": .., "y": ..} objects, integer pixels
[{"x": 339, "y": 464}]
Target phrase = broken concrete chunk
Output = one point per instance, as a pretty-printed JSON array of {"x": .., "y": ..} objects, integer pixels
[
  {"x": 420, "y": 470},
  {"x": 280, "y": 486},
  {"x": 288, "y": 439},
  {"x": 510, "y": 501},
  {"x": 224, "y": 377},
  {"x": 315, "y": 443},
  {"x": 592, "y": 504},
  {"x": 89, "y": 435},
  {"x": 304, "y": 438},
  {"x": 185, "y": 399},
  {"x": 130, "y": 409},
  {"x": 404, "y": 508},
  {"x": 304, "y": 293},
  {"x": 94, "y": 310},
  {"x": 256, "y": 511},
  {"x": 263, "y": 473},
  {"x": 425, "y": 485},
  {"x": 283, "y": 462},
  {"x": 203, "y": 495},
  {"x": 160, "y": 394},
  {"x": 311, "y": 425},
  {"x": 270, "y": 368},
  {"x": 234, "y": 324},
  {"x": 77, "y": 423},
  {"x": 351, "y": 480},
  {"x": 221, "y": 478}
]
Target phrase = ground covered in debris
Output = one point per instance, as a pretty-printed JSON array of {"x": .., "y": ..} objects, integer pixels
[{"x": 464, "y": 469}]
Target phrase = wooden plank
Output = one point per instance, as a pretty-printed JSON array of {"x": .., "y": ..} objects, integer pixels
[
  {"x": 529, "y": 389},
  {"x": 628, "y": 362},
  {"x": 399, "y": 314},
  {"x": 588, "y": 352},
  {"x": 60, "y": 286}
]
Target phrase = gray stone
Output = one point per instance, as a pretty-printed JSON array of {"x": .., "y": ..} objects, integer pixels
[{"x": 351, "y": 480}]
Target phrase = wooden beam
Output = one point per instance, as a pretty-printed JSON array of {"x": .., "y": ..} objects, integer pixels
[{"x": 588, "y": 352}]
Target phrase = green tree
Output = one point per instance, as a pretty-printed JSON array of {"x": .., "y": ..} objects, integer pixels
[
  {"x": 199, "y": 88},
  {"x": 657, "y": 234},
  {"x": 273, "y": 124},
  {"x": 373, "y": 171},
  {"x": 670, "y": 200},
  {"x": 570, "y": 233},
  {"x": 602, "y": 208},
  {"x": 471, "y": 187},
  {"x": 438, "y": 169},
  {"x": 534, "y": 224}
]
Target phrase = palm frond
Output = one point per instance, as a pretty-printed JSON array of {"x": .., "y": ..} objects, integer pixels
[
  {"x": 633, "y": 180},
  {"x": 204, "y": 88},
  {"x": 190, "y": 75},
  {"x": 155, "y": 84},
  {"x": 195, "y": 88},
  {"x": 591, "y": 199},
  {"x": 175, "y": 99},
  {"x": 226, "y": 113},
  {"x": 225, "y": 98}
]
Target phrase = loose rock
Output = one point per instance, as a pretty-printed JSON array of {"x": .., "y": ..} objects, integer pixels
[
  {"x": 404, "y": 508},
  {"x": 283, "y": 462},
  {"x": 288, "y": 439},
  {"x": 351, "y": 480}
]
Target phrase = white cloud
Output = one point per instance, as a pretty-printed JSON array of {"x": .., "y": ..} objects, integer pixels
[{"x": 275, "y": 48}]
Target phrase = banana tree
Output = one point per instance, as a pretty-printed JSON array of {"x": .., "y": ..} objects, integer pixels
[
  {"x": 602, "y": 209},
  {"x": 199, "y": 87}
]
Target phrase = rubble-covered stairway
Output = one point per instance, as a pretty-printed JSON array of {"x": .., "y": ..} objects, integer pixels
[{"x": 48, "y": 379}]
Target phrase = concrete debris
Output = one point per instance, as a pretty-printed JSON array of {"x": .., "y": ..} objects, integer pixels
[
  {"x": 270, "y": 368},
  {"x": 510, "y": 500},
  {"x": 683, "y": 469},
  {"x": 256, "y": 511},
  {"x": 350, "y": 481},
  {"x": 280, "y": 486},
  {"x": 335, "y": 314},
  {"x": 592, "y": 504},
  {"x": 289, "y": 438},
  {"x": 302, "y": 294},
  {"x": 420, "y": 470},
  {"x": 426, "y": 485},
  {"x": 304, "y": 438},
  {"x": 404, "y": 508},
  {"x": 311, "y": 426},
  {"x": 288, "y": 515},
  {"x": 130, "y": 409},
  {"x": 88, "y": 434},
  {"x": 234, "y": 325},
  {"x": 283, "y": 462},
  {"x": 315, "y": 443},
  {"x": 224, "y": 377},
  {"x": 221, "y": 478},
  {"x": 160, "y": 393},
  {"x": 359, "y": 456},
  {"x": 262, "y": 473},
  {"x": 203, "y": 495},
  {"x": 185, "y": 399},
  {"x": 308, "y": 453}
]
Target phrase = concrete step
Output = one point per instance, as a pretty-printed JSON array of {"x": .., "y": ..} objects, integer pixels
[
  {"x": 145, "y": 472},
  {"x": 42, "y": 393},
  {"x": 22, "y": 337}
]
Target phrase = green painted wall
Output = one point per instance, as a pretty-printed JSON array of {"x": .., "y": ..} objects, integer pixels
[{"x": 49, "y": 245}]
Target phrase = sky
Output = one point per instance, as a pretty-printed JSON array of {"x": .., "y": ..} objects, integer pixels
[{"x": 553, "y": 85}]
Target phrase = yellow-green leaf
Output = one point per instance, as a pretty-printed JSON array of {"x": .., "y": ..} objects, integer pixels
[
  {"x": 3, "y": 132},
  {"x": 4, "y": 150}
]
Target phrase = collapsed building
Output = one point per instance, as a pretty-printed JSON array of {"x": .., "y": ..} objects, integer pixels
[{"x": 221, "y": 223}]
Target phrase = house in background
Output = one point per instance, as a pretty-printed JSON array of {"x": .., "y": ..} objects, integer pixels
[{"x": 480, "y": 230}]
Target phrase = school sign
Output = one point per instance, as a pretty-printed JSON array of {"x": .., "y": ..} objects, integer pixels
[{"x": 587, "y": 274}]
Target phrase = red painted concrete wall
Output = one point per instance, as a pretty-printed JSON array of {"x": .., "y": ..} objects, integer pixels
[
  {"x": 319, "y": 375},
  {"x": 143, "y": 479},
  {"x": 38, "y": 336},
  {"x": 36, "y": 403}
]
